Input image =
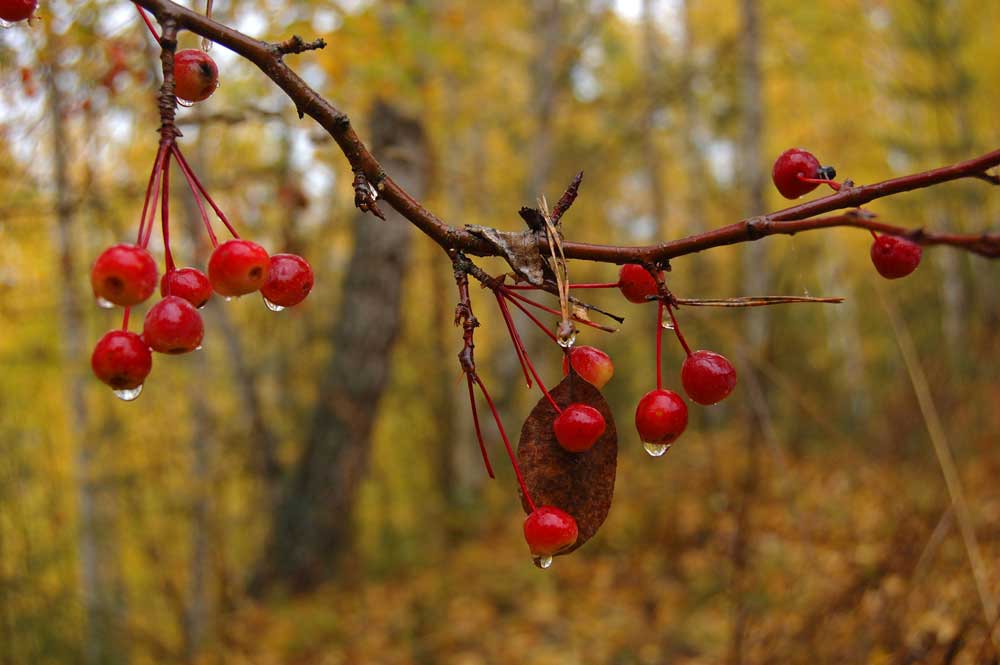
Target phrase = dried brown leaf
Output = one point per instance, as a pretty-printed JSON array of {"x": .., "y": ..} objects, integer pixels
[{"x": 582, "y": 484}]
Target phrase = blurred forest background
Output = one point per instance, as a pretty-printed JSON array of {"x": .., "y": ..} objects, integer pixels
[{"x": 805, "y": 520}]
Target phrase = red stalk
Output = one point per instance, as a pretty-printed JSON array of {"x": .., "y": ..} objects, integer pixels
[
  {"x": 479, "y": 432},
  {"x": 201, "y": 188},
  {"x": 506, "y": 443}
]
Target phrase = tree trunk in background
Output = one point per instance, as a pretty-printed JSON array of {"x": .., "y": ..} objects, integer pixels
[
  {"x": 98, "y": 602},
  {"x": 690, "y": 127},
  {"x": 313, "y": 524},
  {"x": 755, "y": 281},
  {"x": 651, "y": 70}
]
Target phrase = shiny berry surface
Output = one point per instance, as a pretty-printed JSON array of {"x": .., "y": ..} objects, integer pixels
[
  {"x": 122, "y": 360},
  {"x": 895, "y": 257},
  {"x": 17, "y": 10},
  {"x": 578, "y": 427},
  {"x": 173, "y": 326},
  {"x": 592, "y": 364},
  {"x": 708, "y": 377},
  {"x": 789, "y": 166},
  {"x": 661, "y": 417},
  {"x": 635, "y": 283},
  {"x": 124, "y": 275},
  {"x": 290, "y": 279},
  {"x": 238, "y": 267},
  {"x": 548, "y": 530},
  {"x": 188, "y": 283},
  {"x": 196, "y": 75}
]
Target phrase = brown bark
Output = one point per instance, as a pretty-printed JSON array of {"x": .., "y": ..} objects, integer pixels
[{"x": 312, "y": 525}]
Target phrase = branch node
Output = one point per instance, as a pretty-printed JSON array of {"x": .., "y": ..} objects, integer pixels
[
  {"x": 296, "y": 44},
  {"x": 365, "y": 195}
]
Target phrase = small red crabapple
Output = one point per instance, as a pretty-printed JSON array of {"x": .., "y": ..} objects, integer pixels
[
  {"x": 592, "y": 364},
  {"x": 238, "y": 267},
  {"x": 635, "y": 283},
  {"x": 578, "y": 427},
  {"x": 895, "y": 257},
  {"x": 13, "y": 11},
  {"x": 124, "y": 275},
  {"x": 173, "y": 326},
  {"x": 660, "y": 418},
  {"x": 708, "y": 377},
  {"x": 549, "y": 530},
  {"x": 122, "y": 360},
  {"x": 188, "y": 283},
  {"x": 290, "y": 279},
  {"x": 196, "y": 75},
  {"x": 792, "y": 166}
]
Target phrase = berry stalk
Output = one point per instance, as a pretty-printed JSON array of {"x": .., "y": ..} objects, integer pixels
[
  {"x": 165, "y": 216},
  {"x": 518, "y": 348},
  {"x": 518, "y": 343},
  {"x": 527, "y": 313},
  {"x": 677, "y": 330},
  {"x": 659, "y": 345},
  {"x": 201, "y": 188},
  {"x": 479, "y": 432},
  {"x": 506, "y": 442}
]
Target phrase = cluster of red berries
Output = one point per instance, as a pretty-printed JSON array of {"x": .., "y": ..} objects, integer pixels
[
  {"x": 13, "y": 11},
  {"x": 126, "y": 275},
  {"x": 797, "y": 172}
]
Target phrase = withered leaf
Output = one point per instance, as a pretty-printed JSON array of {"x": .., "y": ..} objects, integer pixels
[
  {"x": 582, "y": 484},
  {"x": 520, "y": 251}
]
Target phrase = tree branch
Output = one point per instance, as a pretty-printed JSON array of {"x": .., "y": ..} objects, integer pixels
[{"x": 796, "y": 219}]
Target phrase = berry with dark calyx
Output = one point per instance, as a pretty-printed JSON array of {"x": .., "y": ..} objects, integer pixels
[
  {"x": 708, "y": 377},
  {"x": 238, "y": 267},
  {"x": 13, "y": 11},
  {"x": 578, "y": 427},
  {"x": 196, "y": 75},
  {"x": 289, "y": 281},
  {"x": 791, "y": 167},
  {"x": 122, "y": 360},
  {"x": 549, "y": 530},
  {"x": 592, "y": 364},
  {"x": 124, "y": 275},
  {"x": 895, "y": 257},
  {"x": 173, "y": 326},
  {"x": 660, "y": 418},
  {"x": 188, "y": 283},
  {"x": 635, "y": 283}
]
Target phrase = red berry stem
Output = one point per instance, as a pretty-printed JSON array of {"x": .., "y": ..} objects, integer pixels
[
  {"x": 146, "y": 226},
  {"x": 151, "y": 188},
  {"x": 584, "y": 285},
  {"x": 834, "y": 185},
  {"x": 479, "y": 432},
  {"x": 165, "y": 215},
  {"x": 527, "y": 313},
  {"x": 516, "y": 337},
  {"x": 677, "y": 330},
  {"x": 149, "y": 24},
  {"x": 518, "y": 346},
  {"x": 551, "y": 311},
  {"x": 201, "y": 188},
  {"x": 506, "y": 442},
  {"x": 195, "y": 188},
  {"x": 659, "y": 345},
  {"x": 128, "y": 310}
]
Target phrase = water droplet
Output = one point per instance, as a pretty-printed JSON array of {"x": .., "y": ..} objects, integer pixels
[
  {"x": 104, "y": 304},
  {"x": 206, "y": 45},
  {"x": 198, "y": 348},
  {"x": 272, "y": 306},
  {"x": 668, "y": 325},
  {"x": 656, "y": 449},
  {"x": 805, "y": 292},
  {"x": 543, "y": 562},
  {"x": 229, "y": 298},
  {"x": 567, "y": 342},
  {"x": 128, "y": 394}
]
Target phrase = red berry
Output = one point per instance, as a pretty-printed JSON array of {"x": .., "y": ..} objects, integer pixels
[
  {"x": 708, "y": 377},
  {"x": 895, "y": 257},
  {"x": 124, "y": 275},
  {"x": 195, "y": 74},
  {"x": 17, "y": 10},
  {"x": 173, "y": 326},
  {"x": 661, "y": 417},
  {"x": 122, "y": 360},
  {"x": 238, "y": 267},
  {"x": 188, "y": 283},
  {"x": 791, "y": 164},
  {"x": 290, "y": 279},
  {"x": 636, "y": 283},
  {"x": 549, "y": 530},
  {"x": 592, "y": 364},
  {"x": 578, "y": 427}
]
